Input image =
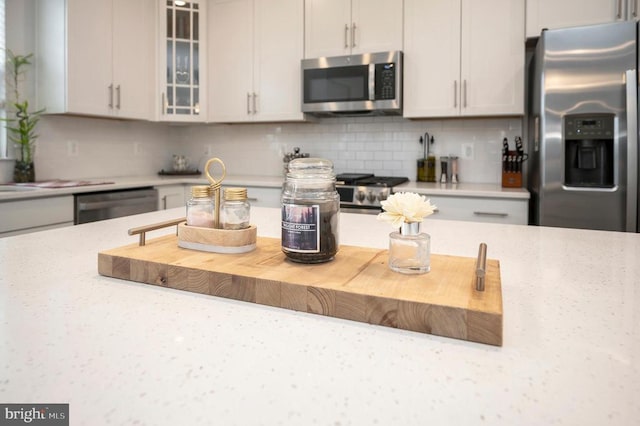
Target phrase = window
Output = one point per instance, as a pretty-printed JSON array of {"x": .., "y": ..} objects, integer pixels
[{"x": 3, "y": 132}]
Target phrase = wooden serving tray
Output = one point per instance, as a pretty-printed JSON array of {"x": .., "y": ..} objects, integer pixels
[{"x": 358, "y": 285}]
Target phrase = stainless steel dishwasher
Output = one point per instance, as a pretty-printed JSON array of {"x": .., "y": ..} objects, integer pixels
[{"x": 94, "y": 206}]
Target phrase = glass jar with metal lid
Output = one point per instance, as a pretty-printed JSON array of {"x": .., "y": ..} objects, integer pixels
[
  {"x": 200, "y": 208},
  {"x": 310, "y": 211},
  {"x": 235, "y": 210}
]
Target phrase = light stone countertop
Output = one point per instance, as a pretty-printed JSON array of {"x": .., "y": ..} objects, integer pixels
[
  {"x": 483, "y": 190},
  {"x": 467, "y": 189},
  {"x": 123, "y": 353}
]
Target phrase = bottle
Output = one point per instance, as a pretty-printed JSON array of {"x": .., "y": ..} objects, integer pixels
[
  {"x": 310, "y": 211},
  {"x": 235, "y": 209},
  {"x": 200, "y": 208}
]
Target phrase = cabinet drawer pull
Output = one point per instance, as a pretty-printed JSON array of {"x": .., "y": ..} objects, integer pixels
[
  {"x": 496, "y": 214},
  {"x": 252, "y": 199}
]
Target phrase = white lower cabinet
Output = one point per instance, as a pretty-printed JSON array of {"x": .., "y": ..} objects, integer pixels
[
  {"x": 23, "y": 216},
  {"x": 476, "y": 209},
  {"x": 172, "y": 196},
  {"x": 263, "y": 197}
]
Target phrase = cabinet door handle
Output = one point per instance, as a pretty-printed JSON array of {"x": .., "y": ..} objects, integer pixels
[
  {"x": 346, "y": 35},
  {"x": 455, "y": 93},
  {"x": 111, "y": 96},
  {"x": 353, "y": 35},
  {"x": 634, "y": 11},
  {"x": 164, "y": 202},
  {"x": 494, "y": 214},
  {"x": 253, "y": 200},
  {"x": 248, "y": 103},
  {"x": 465, "y": 94},
  {"x": 255, "y": 103},
  {"x": 118, "y": 96},
  {"x": 619, "y": 9}
]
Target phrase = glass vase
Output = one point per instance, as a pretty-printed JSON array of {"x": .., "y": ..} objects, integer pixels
[
  {"x": 24, "y": 171},
  {"x": 410, "y": 250}
]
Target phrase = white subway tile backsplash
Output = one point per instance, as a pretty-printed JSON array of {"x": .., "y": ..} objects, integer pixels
[{"x": 381, "y": 145}]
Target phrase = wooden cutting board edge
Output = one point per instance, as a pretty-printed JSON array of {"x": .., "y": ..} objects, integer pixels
[{"x": 161, "y": 262}]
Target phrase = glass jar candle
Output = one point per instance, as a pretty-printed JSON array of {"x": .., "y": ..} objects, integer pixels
[
  {"x": 235, "y": 209},
  {"x": 200, "y": 208},
  {"x": 310, "y": 211}
]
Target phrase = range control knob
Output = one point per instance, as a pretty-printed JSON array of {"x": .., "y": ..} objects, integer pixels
[
  {"x": 371, "y": 197},
  {"x": 383, "y": 196},
  {"x": 360, "y": 196}
]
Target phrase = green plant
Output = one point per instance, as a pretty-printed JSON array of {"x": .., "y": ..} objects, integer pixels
[{"x": 21, "y": 127}]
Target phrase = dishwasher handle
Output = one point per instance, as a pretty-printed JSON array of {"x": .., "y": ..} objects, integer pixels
[{"x": 97, "y": 205}]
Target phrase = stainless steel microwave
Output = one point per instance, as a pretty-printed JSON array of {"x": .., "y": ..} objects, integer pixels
[{"x": 367, "y": 84}]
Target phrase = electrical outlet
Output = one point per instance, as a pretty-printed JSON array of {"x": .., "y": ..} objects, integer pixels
[
  {"x": 467, "y": 151},
  {"x": 72, "y": 148}
]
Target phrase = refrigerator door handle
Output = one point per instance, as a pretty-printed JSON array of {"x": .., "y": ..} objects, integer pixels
[{"x": 632, "y": 150}]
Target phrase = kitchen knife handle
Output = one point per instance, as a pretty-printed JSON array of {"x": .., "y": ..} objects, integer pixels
[
  {"x": 118, "y": 96},
  {"x": 455, "y": 93},
  {"x": 353, "y": 35},
  {"x": 632, "y": 151},
  {"x": 111, "y": 96},
  {"x": 346, "y": 35}
]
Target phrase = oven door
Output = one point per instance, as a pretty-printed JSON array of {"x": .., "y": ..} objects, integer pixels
[{"x": 350, "y": 208}]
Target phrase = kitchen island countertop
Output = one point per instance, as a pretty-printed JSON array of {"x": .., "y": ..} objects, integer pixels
[{"x": 126, "y": 353}]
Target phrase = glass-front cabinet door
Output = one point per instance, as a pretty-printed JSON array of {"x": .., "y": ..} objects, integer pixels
[{"x": 182, "y": 51}]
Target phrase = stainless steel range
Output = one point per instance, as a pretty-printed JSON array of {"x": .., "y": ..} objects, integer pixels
[{"x": 363, "y": 192}]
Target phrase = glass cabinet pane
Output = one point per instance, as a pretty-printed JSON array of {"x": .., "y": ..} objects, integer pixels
[{"x": 183, "y": 62}]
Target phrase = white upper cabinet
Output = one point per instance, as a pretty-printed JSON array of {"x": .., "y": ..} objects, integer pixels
[
  {"x": 95, "y": 57},
  {"x": 255, "y": 48},
  {"x": 464, "y": 58},
  {"x": 344, "y": 27},
  {"x": 182, "y": 78},
  {"x": 552, "y": 14}
]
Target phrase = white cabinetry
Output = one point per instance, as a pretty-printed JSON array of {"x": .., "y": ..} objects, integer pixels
[
  {"x": 494, "y": 210},
  {"x": 172, "y": 196},
  {"x": 343, "y": 27},
  {"x": 464, "y": 58},
  {"x": 95, "y": 57},
  {"x": 182, "y": 77},
  {"x": 255, "y": 48},
  {"x": 264, "y": 197},
  {"x": 552, "y": 14},
  {"x": 23, "y": 216}
]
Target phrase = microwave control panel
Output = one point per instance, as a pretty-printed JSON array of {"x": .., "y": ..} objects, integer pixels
[{"x": 385, "y": 81}]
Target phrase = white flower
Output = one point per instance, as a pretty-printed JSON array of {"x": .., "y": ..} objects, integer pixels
[{"x": 405, "y": 207}]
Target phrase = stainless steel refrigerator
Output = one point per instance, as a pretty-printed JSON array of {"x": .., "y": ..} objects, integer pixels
[{"x": 583, "y": 136}]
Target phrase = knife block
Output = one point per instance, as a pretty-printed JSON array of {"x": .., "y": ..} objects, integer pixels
[{"x": 511, "y": 179}]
